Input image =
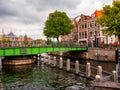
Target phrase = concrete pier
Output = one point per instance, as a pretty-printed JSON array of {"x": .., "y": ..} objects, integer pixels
[{"x": 19, "y": 60}]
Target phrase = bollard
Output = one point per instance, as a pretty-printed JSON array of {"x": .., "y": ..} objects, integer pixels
[
  {"x": 114, "y": 76},
  {"x": 88, "y": 70},
  {"x": 61, "y": 63},
  {"x": 34, "y": 57},
  {"x": 97, "y": 78},
  {"x": 68, "y": 65},
  {"x": 49, "y": 61},
  {"x": 61, "y": 53},
  {"x": 38, "y": 58},
  {"x": 77, "y": 67},
  {"x": 42, "y": 59},
  {"x": 100, "y": 71},
  {"x": 54, "y": 63}
]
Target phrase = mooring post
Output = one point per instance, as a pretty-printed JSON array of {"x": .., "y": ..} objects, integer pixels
[
  {"x": 97, "y": 78},
  {"x": 88, "y": 70},
  {"x": 42, "y": 59},
  {"x": 38, "y": 58},
  {"x": 68, "y": 65},
  {"x": 49, "y": 61},
  {"x": 99, "y": 72},
  {"x": 77, "y": 70},
  {"x": 54, "y": 63},
  {"x": 61, "y": 63},
  {"x": 114, "y": 76}
]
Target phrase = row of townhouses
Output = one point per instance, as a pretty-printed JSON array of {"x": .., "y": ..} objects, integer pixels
[
  {"x": 88, "y": 32},
  {"x": 14, "y": 39}
]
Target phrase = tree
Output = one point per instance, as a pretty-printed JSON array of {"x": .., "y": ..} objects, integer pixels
[
  {"x": 57, "y": 24},
  {"x": 110, "y": 21}
]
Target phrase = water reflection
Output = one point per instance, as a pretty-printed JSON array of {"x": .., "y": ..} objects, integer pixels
[
  {"x": 18, "y": 68},
  {"x": 39, "y": 77}
]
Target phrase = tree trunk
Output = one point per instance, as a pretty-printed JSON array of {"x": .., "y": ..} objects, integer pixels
[
  {"x": 119, "y": 39},
  {"x": 57, "y": 39}
]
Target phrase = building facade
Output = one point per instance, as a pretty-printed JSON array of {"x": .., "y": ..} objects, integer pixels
[{"x": 88, "y": 32}]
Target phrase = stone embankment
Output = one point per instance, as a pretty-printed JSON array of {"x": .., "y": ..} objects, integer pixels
[{"x": 92, "y": 53}]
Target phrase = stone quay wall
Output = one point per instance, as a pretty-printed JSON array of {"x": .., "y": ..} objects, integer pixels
[{"x": 92, "y": 53}]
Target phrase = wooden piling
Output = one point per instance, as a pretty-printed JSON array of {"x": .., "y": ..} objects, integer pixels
[
  {"x": 77, "y": 67},
  {"x": 88, "y": 70},
  {"x": 61, "y": 63},
  {"x": 114, "y": 76},
  {"x": 54, "y": 63},
  {"x": 97, "y": 78},
  {"x": 49, "y": 61},
  {"x": 68, "y": 65},
  {"x": 99, "y": 72}
]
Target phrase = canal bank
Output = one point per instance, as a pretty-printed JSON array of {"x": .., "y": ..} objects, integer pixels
[
  {"x": 92, "y": 53},
  {"x": 103, "y": 58},
  {"x": 95, "y": 56}
]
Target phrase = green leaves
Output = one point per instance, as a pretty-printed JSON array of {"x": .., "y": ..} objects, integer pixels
[
  {"x": 57, "y": 24},
  {"x": 110, "y": 21}
]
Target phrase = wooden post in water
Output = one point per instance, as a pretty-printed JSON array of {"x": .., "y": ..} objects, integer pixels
[
  {"x": 42, "y": 59},
  {"x": 61, "y": 63},
  {"x": 88, "y": 70},
  {"x": 68, "y": 65},
  {"x": 77, "y": 67},
  {"x": 54, "y": 63},
  {"x": 99, "y": 72},
  {"x": 114, "y": 76},
  {"x": 38, "y": 58},
  {"x": 97, "y": 78},
  {"x": 49, "y": 61}
]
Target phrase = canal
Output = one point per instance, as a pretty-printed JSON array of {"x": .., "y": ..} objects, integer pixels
[{"x": 39, "y": 76}]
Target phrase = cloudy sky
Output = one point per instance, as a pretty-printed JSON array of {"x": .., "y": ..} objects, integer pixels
[{"x": 28, "y": 16}]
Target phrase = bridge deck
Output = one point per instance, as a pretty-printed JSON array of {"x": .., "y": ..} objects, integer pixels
[{"x": 36, "y": 50}]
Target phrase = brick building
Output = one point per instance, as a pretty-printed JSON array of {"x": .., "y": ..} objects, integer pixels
[{"x": 87, "y": 31}]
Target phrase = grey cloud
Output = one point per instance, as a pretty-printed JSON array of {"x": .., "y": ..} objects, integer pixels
[
  {"x": 54, "y": 4},
  {"x": 32, "y": 12}
]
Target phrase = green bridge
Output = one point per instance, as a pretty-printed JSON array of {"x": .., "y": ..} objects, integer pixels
[{"x": 19, "y": 51}]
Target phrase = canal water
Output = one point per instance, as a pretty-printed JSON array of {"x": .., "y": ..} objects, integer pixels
[{"x": 40, "y": 77}]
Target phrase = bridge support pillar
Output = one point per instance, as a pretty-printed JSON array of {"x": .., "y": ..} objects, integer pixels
[{"x": 18, "y": 60}]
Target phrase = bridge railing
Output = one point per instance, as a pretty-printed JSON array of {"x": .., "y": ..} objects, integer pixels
[{"x": 31, "y": 44}]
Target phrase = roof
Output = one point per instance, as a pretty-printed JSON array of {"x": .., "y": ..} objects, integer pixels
[
  {"x": 98, "y": 13},
  {"x": 11, "y": 34}
]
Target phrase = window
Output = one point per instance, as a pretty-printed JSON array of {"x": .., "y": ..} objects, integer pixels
[{"x": 85, "y": 34}]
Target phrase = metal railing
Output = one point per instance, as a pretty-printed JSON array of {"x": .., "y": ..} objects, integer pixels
[{"x": 34, "y": 44}]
